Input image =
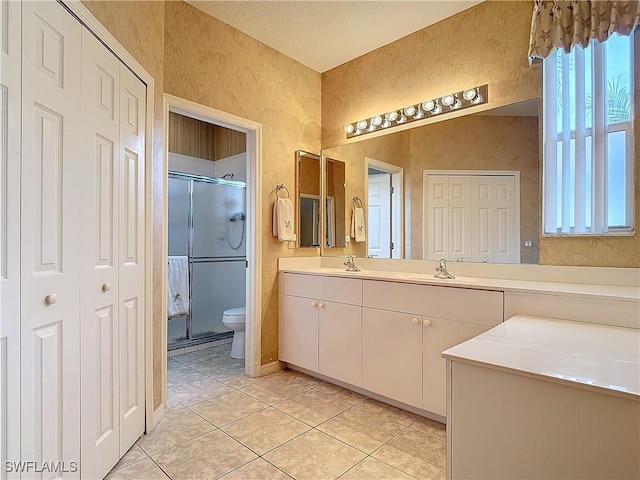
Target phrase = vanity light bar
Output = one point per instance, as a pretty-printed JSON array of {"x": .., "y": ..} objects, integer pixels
[{"x": 429, "y": 108}]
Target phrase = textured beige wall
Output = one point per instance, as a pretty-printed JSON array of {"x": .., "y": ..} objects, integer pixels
[
  {"x": 479, "y": 142},
  {"x": 484, "y": 44},
  {"x": 139, "y": 27},
  {"x": 211, "y": 63}
]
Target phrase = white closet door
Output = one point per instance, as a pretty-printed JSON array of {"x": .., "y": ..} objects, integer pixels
[
  {"x": 436, "y": 230},
  {"x": 460, "y": 234},
  {"x": 379, "y": 215},
  {"x": 10, "y": 55},
  {"x": 482, "y": 219},
  {"x": 51, "y": 180},
  {"x": 507, "y": 241},
  {"x": 99, "y": 259},
  {"x": 131, "y": 257}
]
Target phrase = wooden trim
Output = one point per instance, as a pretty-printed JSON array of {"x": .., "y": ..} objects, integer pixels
[{"x": 86, "y": 17}]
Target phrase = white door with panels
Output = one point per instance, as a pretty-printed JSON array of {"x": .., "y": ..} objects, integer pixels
[
  {"x": 379, "y": 215},
  {"x": 472, "y": 216}
]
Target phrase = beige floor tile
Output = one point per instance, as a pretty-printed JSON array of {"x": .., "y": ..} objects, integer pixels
[
  {"x": 264, "y": 394},
  {"x": 172, "y": 404},
  {"x": 340, "y": 393},
  {"x": 135, "y": 454},
  {"x": 373, "y": 469},
  {"x": 314, "y": 455},
  {"x": 361, "y": 428},
  {"x": 176, "y": 427},
  {"x": 435, "y": 429},
  {"x": 391, "y": 413},
  {"x": 301, "y": 378},
  {"x": 265, "y": 430},
  {"x": 230, "y": 375},
  {"x": 257, "y": 469},
  {"x": 144, "y": 469},
  {"x": 282, "y": 385},
  {"x": 313, "y": 407},
  {"x": 415, "y": 453},
  {"x": 178, "y": 378},
  {"x": 209, "y": 456},
  {"x": 176, "y": 366},
  {"x": 198, "y": 391},
  {"x": 228, "y": 408}
]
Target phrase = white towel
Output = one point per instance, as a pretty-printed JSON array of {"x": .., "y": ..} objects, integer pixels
[
  {"x": 283, "y": 220},
  {"x": 177, "y": 287},
  {"x": 357, "y": 225}
]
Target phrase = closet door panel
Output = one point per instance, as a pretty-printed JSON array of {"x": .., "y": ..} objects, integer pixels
[
  {"x": 437, "y": 217},
  {"x": 483, "y": 219},
  {"x": 507, "y": 236},
  {"x": 50, "y": 198},
  {"x": 99, "y": 269},
  {"x": 131, "y": 212},
  {"x": 10, "y": 91},
  {"x": 459, "y": 217}
]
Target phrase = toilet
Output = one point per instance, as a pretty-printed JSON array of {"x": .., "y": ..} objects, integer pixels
[{"x": 234, "y": 319}]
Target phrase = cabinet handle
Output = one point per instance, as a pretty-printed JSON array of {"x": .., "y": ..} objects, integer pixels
[
  {"x": 51, "y": 299},
  {"x": 415, "y": 321},
  {"x": 426, "y": 323},
  {"x": 106, "y": 287},
  {"x": 314, "y": 304},
  {"x": 321, "y": 305}
]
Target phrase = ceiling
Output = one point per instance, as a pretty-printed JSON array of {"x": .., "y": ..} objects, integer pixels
[{"x": 325, "y": 34}]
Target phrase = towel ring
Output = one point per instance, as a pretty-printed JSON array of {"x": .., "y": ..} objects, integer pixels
[
  {"x": 281, "y": 186},
  {"x": 357, "y": 202}
]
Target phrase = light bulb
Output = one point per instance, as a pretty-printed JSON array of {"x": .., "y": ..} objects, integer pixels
[
  {"x": 447, "y": 100},
  {"x": 456, "y": 105},
  {"x": 376, "y": 121},
  {"x": 362, "y": 124},
  {"x": 349, "y": 128},
  {"x": 410, "y": 110},
  {"x": 402, "y": 119},
  {"x": 428, "y": 105},
  {"x": 386, "y": 124},
  {"x": 393, "y": 116},
  {"x": 419, "y": 114},
  {"x": 436, "y": 110},
  {"x": 477, "y": 100},
  {"x": 469, "y": 94}
]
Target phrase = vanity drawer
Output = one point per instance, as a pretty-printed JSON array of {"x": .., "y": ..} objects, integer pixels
[
  {"x": 481, "y": 307},
  {"x": 333, "y": 289}
]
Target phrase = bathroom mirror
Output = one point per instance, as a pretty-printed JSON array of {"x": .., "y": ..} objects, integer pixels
[
  {"x": 335, "y": 203},
  {"x": 308, "y": 198},
  {"x": 423, "y": 188}
]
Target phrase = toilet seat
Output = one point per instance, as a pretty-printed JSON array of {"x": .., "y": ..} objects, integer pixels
[{"x": 234, "y": 312}]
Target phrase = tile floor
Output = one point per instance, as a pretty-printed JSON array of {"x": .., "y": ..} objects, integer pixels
[{"x": 222, "y": 424}]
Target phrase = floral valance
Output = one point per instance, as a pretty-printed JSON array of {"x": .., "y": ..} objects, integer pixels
[{"x": 565, "y": 23}]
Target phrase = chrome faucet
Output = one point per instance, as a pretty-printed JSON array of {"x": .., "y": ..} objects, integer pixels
[
  {"x": 441, "y": 270},
  {"x": 351, "y": 266}
]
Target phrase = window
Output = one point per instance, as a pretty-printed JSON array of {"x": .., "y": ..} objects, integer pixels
[{"x": 588, "y": 139}]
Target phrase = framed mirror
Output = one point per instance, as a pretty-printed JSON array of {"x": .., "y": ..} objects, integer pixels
[
  {"x": 463, "y": 189},
  {"x": 308, "y": 199},
  {"x": 335, "y": 206}
]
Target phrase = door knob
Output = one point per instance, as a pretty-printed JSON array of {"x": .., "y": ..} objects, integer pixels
[
  {"x": 426, "y": 322},
  {"x": 51, "y": 299},
  {"x": 415, "y": 321},
  {"x": 106, "y": 287},
  {"x": 321, "y": 305},
  {"x": 314, "y": 304}
]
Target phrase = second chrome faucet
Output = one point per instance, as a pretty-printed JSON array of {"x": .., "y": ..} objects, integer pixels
[
  {"x": 441, "y": 270},
  {"x": 350, "y": 264}
]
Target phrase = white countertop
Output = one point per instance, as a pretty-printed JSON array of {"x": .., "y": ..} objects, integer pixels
[
  {"x": 584, "y": 355},
  {"x": 612, "y": 292}
]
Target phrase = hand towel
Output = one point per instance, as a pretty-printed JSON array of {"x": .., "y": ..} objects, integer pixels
[
  {"x": 283, "y": 220},
  {"x": 357, "y": 225},
  {"x": 177, "y": 287}
]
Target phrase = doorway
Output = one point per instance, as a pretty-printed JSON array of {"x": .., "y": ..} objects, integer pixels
[{"x": 384, "y": 209}]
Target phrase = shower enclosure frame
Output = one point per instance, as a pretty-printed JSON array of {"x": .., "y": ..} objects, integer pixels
[{"x": 189, "y": 341}]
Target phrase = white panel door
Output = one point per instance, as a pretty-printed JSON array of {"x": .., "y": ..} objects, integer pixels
[
  {"x": 99, "y": 259},
  {"x": 507, "y": 238},
  {"x": 51, "y": 180},
  {"x": 131, "y": 281},
  {"x": 392, "y": 355},
  {"x": 437, "y": 336},
  {"x": 340, "y": 342},
  {"x": 437, "y": 216},
  {"x": 460, "y": 234},
  {"x": 379, "y": 215},
  {"x": 300, "y": 332},
  {"x": 10, "y": 88},
  {"x": 482, "y": 219}
]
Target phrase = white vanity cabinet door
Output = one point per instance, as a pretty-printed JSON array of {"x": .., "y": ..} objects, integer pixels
[
  {"x": 437, "y": 336},
  {"x": 392, "y": 355},
  {"x": 340, "y": 342},
  {"x": 300, "y": 332}
]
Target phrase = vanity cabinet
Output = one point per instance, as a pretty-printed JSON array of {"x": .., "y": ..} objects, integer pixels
[
  {"x": 392, "y": 355},
  {"x": 300, "y": 332}
]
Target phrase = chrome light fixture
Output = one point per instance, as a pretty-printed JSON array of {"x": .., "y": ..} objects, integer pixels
[{"x": 425, "y": 109}]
